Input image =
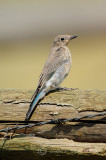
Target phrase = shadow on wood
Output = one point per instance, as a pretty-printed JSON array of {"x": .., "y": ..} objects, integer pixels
[{"x": 65, "y": 104}]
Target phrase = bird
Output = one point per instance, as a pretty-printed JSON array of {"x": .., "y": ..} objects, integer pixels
[{"x": 55, "y": 70}]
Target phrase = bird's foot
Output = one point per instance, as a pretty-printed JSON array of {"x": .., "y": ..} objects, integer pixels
[{"x": 66, "y": 89}]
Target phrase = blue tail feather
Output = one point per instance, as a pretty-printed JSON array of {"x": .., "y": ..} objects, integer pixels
[
  {"x": 32, "y": 106},
  {"x": 37, "y": 98}
]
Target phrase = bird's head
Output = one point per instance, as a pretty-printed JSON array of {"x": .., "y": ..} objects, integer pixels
[{"x": 62, "y": 40}]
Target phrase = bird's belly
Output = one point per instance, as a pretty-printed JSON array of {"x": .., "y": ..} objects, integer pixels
[{"x": 58, "y": 76}]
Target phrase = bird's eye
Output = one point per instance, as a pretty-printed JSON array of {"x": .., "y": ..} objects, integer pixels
[{"x": 62, "y": 39}]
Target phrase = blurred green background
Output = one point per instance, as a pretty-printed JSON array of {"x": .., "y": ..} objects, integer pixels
[{"x": 27, "y": 31}]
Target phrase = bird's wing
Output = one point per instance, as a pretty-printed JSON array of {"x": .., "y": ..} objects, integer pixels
[{"x": 53, "y": 62}]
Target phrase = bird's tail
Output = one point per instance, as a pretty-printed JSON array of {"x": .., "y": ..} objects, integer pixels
[{"x": 33, "y": 105}]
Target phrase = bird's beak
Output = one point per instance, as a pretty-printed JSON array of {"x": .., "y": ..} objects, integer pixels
[{"x": 73, "y": 37}]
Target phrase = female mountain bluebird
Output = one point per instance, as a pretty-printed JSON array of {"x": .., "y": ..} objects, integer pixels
[{"x": 54, "y": 72}]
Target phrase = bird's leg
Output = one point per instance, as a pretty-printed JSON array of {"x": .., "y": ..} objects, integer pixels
[{"x": 66, "y": 89}]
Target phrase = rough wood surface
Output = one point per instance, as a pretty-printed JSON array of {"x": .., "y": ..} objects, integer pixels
[
  {"x": 67, "y": 104},
  {"x": 24, "y": 148},
  {"x": 14, "y": 105}
]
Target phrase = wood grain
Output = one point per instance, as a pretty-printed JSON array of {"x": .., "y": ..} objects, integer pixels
[
  {"x": 66, "y": 104},
  {"x": 50, "y": 141}
]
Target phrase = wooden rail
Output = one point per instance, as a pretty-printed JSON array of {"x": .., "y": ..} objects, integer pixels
[{"x": 71, "y": 139}]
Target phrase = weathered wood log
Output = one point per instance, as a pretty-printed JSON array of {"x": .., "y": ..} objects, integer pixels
[
  {"x": 36, "y": 148},
  {"x": 67, "y": 104}
]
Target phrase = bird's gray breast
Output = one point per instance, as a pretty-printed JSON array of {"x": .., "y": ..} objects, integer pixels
[{"x": 62, "y": 71}]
